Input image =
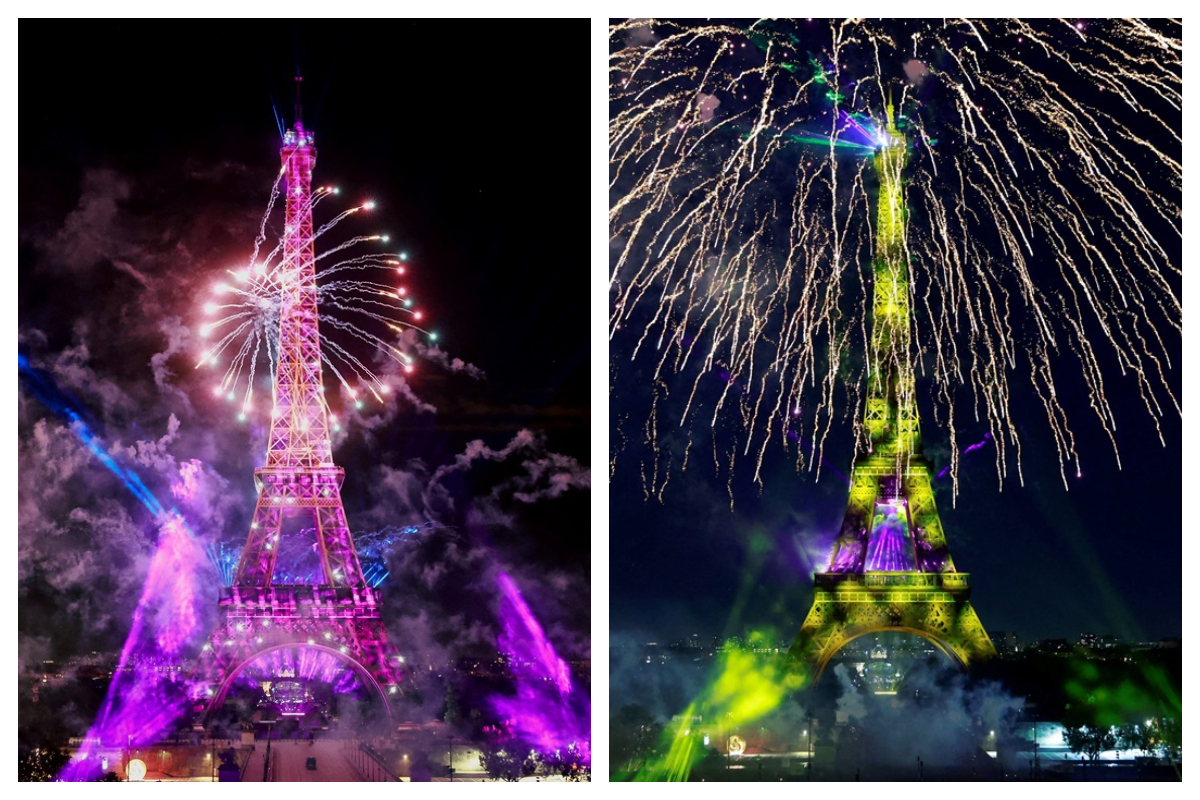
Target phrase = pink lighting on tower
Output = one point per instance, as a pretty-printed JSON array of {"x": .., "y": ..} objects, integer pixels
[{"x": 299, "y": 479}]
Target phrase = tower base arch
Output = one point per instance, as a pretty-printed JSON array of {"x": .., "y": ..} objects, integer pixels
[{"x": 935, "y": 606}]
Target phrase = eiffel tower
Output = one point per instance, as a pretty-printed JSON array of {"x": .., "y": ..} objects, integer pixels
[
  {"x": 299, "y": 485},
  {"x": 890, "y": 567}
]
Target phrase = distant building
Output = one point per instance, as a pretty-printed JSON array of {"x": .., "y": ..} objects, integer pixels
[{"x": 1006, "y": 642}]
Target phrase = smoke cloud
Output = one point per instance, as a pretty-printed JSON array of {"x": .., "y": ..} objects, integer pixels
[
  {"x": 662, "y": 688},
  {"x": 707, "y": 105},
  {"x": 639, "y": 32},
  {"x": 916, "y": 71},
  {"x": 941, "y": 718}
]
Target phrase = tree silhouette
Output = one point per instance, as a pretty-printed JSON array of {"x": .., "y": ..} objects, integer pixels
[{"x": 1091, "y": 742}]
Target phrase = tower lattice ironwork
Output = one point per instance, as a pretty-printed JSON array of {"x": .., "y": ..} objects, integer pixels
[
  {"x": 890, "y": 567},
  {"x": 299, "y": 486}
]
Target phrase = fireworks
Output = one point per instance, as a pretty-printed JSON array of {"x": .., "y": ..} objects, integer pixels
[
  {"x": 362, "y": 296},
  {"x": 1043, "y": 231}
]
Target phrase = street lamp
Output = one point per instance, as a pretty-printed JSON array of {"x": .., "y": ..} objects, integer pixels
[
  {"x": 267, "y": 756},
  {"x": 1037, "y": 762},
  {"x": 807, "y": 745},
  {"x": 762, "y": 747},
  {"x": 808, "y": 735}
]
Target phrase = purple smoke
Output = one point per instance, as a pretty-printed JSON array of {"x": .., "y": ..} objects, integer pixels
[
  {"x": 146, "y": 695},
  {"x": 987, "y": 437},
  {"x": 546, "y": 710}
]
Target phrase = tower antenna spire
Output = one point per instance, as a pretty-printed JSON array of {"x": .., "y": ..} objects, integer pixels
[{"x": 299, "y": 107}]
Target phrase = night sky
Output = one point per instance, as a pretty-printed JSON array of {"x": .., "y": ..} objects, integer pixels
[
  {"x": 147, "y": 154},
  {"x": 1102, "y": 554}
]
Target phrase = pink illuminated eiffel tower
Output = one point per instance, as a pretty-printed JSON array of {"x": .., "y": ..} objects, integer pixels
[{"x": 299, "y": 628}]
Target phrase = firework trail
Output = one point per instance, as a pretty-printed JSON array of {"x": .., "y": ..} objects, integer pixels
[
  {"x": 360, "y": 295},
  {"x": 1043, "y": 230}
]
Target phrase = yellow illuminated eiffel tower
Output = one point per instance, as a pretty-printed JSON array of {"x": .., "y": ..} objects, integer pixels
[{"x": 890, "y": 568}]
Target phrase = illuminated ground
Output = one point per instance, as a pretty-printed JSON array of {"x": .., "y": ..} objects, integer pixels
[{"x": 288, "y": 762}]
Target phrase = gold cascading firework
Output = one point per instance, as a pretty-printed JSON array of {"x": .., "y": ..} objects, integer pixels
[{"x": 1044, "y": 229}]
